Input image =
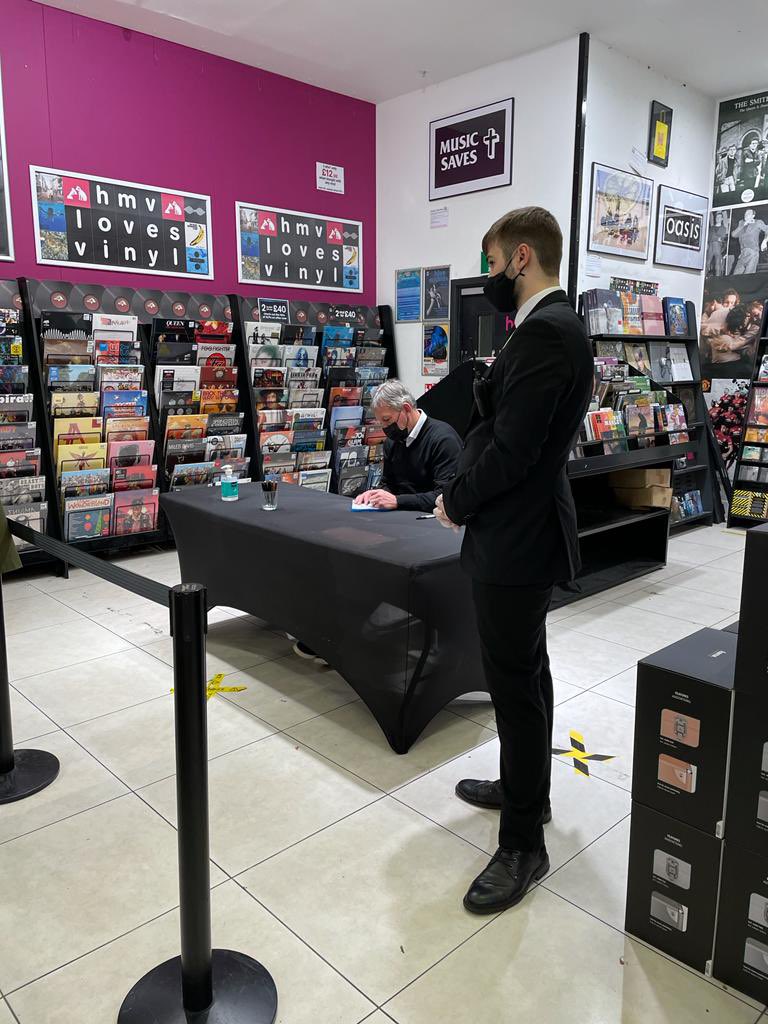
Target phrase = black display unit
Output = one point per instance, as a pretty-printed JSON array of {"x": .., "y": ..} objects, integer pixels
[
  {"x": 741, "y": 511},
  {"x": 697, "y": 473},
  {"x": 245, "y": 309}
]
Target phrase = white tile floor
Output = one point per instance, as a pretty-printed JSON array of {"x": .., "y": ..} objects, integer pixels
[{"x": 337, "y": 863}]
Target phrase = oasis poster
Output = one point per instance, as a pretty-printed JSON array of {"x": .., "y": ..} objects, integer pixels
[
  {"x": 291, "y": 249},
  {"x": 107, "y": 224}
]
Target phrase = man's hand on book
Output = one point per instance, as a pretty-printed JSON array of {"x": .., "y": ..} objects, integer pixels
[{"x": 377, "y": 498}]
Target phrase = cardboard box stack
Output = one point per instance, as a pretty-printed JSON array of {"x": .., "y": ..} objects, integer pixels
[{"x": 642, "y": 488}]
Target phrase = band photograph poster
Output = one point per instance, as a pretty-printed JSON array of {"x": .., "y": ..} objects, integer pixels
[
  {"x": 736, "y": 265},
  {"x": 291, "y": 249},
  {"x": 681, "y": 225},
  {"x": 6, "y": 228},
  {"x": 435, "y": 293},
  {"x": 620, "y": 213},
  {"x": 82, "y": 220},
  {"x": 435, "y": 356},
  {"x": 408, "y": 295}
]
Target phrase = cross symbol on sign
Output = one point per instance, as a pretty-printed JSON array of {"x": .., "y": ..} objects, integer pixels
[{"x": 491, "y": 138}]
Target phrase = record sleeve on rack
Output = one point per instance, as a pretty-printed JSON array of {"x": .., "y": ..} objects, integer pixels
[{"x": 135, "y": 511}]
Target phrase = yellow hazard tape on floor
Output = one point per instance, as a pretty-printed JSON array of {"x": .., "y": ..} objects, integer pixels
[
  {"x": 578, "y": 751},
  {"x": 214, "y": 687}
]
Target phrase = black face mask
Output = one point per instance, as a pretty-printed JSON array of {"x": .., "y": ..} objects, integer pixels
[
  {"x": 500, "y": 290},
  {"x": 395, "y": 433}
]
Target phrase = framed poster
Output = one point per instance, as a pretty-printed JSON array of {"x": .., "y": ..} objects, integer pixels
[
  {"x": 681, "y": 227},
  {"x": 435, "y": 350},
  {"x": 290, "y": 249},
  {"x": 659, "y": 133},
  {"x": 619, "y": 213},
  {"x": 741, "y": 156},
  {"x": 6, "y": 227},
  {"x": 471, "y": 151},
  {"x": 435, "y": 293},
  {"x": 408, "y": 295},
  {"x": 108, "y": 224}
]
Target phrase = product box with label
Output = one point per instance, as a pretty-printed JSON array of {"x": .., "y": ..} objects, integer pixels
[
  {"x": 672, "y": 886},
  {"x": 752, "y": 654},
  {"x": 682, "y": 728},
  {"x": 747, "y": 799},
  {"x": 741, "y": 943}
]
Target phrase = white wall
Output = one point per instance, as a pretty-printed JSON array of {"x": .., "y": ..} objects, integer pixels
[
  {"x": 543, "y": 85},
  {"x": 619, "y": 95}
]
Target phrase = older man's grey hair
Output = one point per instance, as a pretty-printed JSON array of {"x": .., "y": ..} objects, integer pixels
[{"x": 392, "y": 393}]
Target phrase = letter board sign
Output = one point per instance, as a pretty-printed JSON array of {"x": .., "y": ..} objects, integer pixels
[
  {"x": 106, "y": 224},
  {"x": 298, "y": 250},
  {"x": 471, "y": 151}
]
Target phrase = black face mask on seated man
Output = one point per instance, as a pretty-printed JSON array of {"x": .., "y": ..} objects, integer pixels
[
  {"x": 395, "y": 432},
  {"x": 500, "y": 290}
]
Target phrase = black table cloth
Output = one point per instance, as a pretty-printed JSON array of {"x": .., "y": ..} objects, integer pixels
[{"x": 379, "y": 595}]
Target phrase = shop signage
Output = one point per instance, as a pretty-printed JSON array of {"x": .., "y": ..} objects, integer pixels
[
  {"x": 107, "y": 224},
  {"x": 471, "y": 151},
  {"x": 330, "y": 178},
  {"x": 290, "y": 249},
  {"x": 274, "y": 311}
]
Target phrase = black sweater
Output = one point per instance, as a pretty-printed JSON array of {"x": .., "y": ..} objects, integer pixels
[{"x": 417, "y": 473}]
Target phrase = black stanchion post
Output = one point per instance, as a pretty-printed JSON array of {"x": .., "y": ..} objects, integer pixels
[
  {"x": 202, "y": 985},
  {"x": 22, "y": 772}
]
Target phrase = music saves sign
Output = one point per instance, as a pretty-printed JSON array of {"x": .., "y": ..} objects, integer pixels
[
  {"x": 298, "y": 250},
  {"x": 84, "y": 221},
  {"x": 471, "y": 151}
]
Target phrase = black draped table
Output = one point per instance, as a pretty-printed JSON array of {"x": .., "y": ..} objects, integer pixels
[{"x": 379, "y": 595}]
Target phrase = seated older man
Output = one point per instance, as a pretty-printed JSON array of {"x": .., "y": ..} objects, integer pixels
[{"x": 420, "y": 454}]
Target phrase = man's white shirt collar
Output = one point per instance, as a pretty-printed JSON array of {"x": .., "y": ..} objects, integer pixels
[
  {"x": 529, "y": 304},
  {"x": 415, "y": 432}
]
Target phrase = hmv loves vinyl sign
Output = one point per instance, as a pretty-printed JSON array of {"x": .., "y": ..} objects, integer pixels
[
  {"x": 86, "y": 221},
  {"x": 471, "y": 151}
]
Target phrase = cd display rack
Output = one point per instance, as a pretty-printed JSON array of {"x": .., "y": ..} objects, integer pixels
[{"x": 749, "y": 502}]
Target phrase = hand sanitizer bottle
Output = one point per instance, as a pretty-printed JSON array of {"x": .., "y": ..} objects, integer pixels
[{"x": 229, "y": 485}]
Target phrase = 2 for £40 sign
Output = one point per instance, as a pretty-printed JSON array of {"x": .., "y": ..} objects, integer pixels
[{"x": 298, "y": 250}]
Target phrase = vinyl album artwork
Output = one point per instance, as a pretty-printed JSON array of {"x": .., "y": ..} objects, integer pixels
[
  {"x": 435, "y": 293},
  {"x": 681, "y": 221},
  {"x": 620, "y": 213},
  {"x": 6, "y": 230},
  {"x": 102, "y": 223},
  {"x": 435, "y": 359},
  {"x": 298, "y": 250}
]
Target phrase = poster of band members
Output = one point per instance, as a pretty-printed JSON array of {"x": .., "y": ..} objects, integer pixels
[
  {"x": 298, "y": 250},
  {"x": 106, "y": 224},
  {"x": 6, "y": 230},
  {"x": 736, "y": 264}
]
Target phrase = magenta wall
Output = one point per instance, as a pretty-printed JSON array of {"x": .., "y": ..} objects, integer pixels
[{"x": 82, "y": 95}]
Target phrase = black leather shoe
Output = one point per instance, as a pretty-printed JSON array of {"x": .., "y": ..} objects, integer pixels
[
  {"x": 506, "y": 880},
  {"x": 484, "y": 793}
]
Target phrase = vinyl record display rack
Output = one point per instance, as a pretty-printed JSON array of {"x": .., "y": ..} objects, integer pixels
[
  {"x": 245, "y": 309},
  {"x": 741, "y": 481}
]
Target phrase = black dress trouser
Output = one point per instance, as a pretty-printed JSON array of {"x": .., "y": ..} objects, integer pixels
[{"x": 511, "y": 622}]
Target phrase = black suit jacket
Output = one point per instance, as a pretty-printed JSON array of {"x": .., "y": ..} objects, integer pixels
[{"x": 511, "y": 489}]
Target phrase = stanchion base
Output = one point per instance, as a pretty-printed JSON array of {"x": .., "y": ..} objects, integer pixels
[
  {"x": 243, "y": 993},
  {"x": 32, "y": 771}
]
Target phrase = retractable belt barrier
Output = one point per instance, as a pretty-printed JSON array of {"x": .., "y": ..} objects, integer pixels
[{"x": 214, "y": 986}]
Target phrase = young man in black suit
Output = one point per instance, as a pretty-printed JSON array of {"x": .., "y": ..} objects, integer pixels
[{"x": 512, "y": 494}]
